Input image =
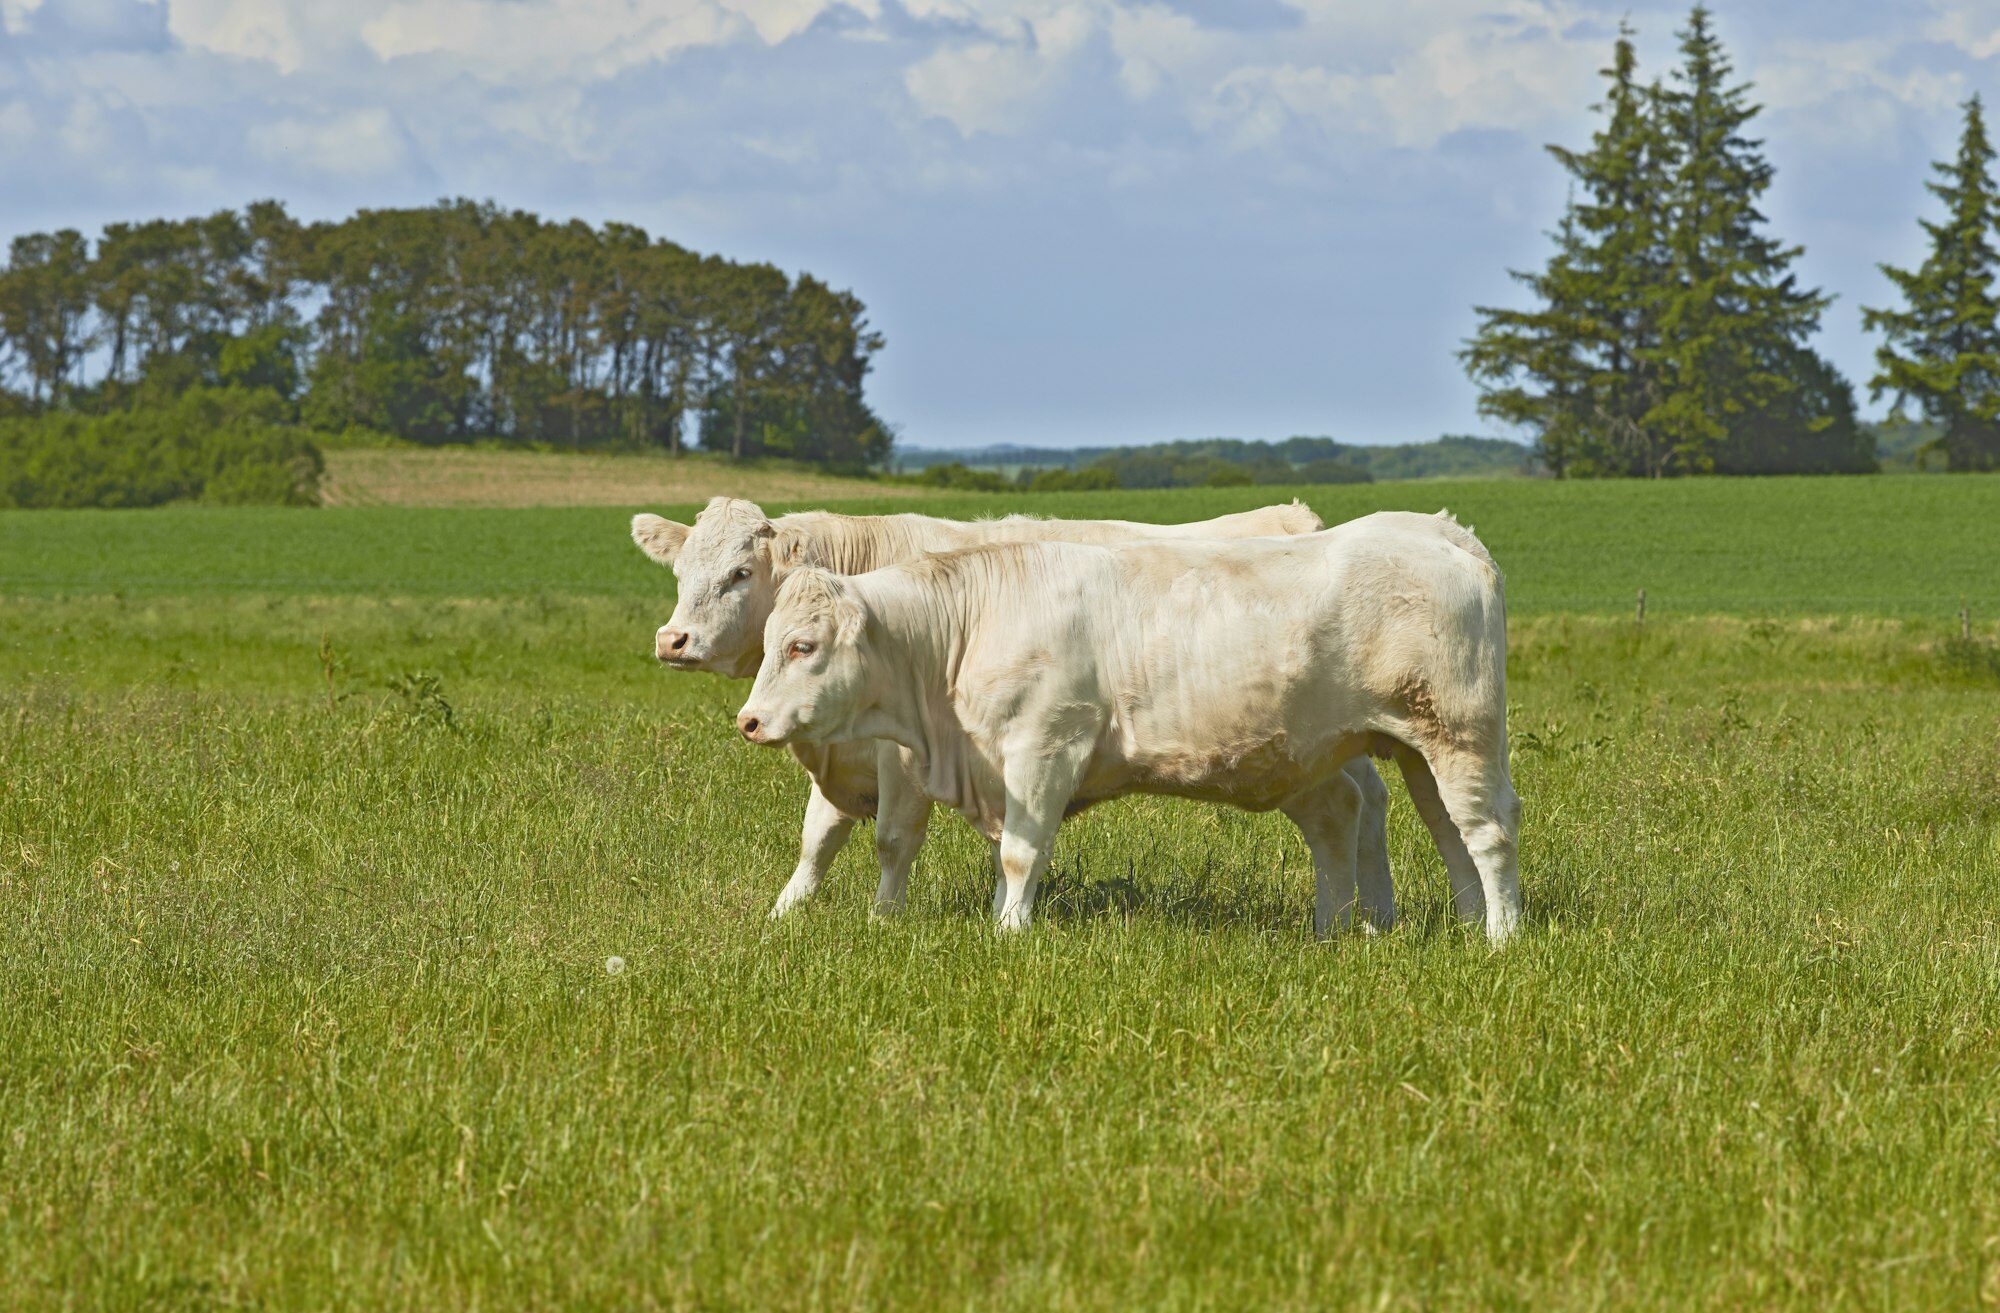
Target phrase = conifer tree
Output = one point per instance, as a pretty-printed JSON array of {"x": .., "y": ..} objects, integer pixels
[
  {"x": 1942, "y": 351},
  {"x": 1740, "y": 391},
  {"x": 1578, "y": 368}
]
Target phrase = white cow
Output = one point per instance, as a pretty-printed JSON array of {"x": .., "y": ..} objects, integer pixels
[
  {"x": 1030, "y": 680},
  {"x": 729, "y": 564}
]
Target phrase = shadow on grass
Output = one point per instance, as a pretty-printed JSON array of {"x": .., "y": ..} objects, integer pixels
[{"x": 1218, "y": 896}]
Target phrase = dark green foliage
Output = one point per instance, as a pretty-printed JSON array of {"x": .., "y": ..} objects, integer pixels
[
  {"x": 422, "y": 694},
  {"x": 1973, "y": 659},
  {"x": 1331, "y": 471},
  {"x": 1905, "y": 446},
  {"x": 1809, "y": 428},
  {"x": 956, "y": 476},
  {"x": 1451, "y": 456},
  {"x": 444, "y": 324},
  {"x": 797, "y": 387},
  {"x": 1301, "y": 459},
  {"x": 1577, "y": 369},
  {"x": 1218, "y": 463},
  {"x": 224, "y": 446},
  {"x": 1094, "y": 479},
  {"x": 44, "y": 311},
  {"x": 1224, "y": 463},
  {"x": 1669, "y": 330},
  {"x": 265, "y": 358},
  {"x": 1941, "y": 351}
]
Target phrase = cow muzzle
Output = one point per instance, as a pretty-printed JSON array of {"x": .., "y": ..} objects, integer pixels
[{"x": 675, "y": 647}]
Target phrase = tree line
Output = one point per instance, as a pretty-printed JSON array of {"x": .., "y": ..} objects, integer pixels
[
  {"x": 1669, "y": 332},
  {"x": 1213, "y": 463},
  {"x": 441, "y": 324}
]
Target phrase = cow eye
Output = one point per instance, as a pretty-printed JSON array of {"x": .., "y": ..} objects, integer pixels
[
  {"x": 804, "y": 647},
  {"x": 742, "y": 572}
]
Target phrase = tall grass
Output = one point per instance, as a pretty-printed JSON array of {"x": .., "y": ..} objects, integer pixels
[{"x": 309, "y": 1005}]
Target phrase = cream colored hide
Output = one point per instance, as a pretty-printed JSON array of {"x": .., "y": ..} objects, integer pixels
[
  {"x": 728, "y": 565},
  {"x": 1028, "y": 681}
]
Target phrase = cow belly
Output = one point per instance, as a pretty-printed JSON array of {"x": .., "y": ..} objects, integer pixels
[{"x": 1256, "y": 774}]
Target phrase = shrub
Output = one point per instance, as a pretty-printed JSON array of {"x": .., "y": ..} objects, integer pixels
[
  {"x": 225, "y": 445},
  {"x": 959, "y": 478},
  {"x": 1971, "y": 658},
  {"x": 1332, "y": 471},
  {"x": 1095, "y": 478}
]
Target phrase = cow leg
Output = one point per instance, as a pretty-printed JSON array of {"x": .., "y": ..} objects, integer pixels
[
  {"x": 1487, "y": 813},
  {"x": 1377, "y": 887},
  {"x": 1023, "y": 858},
  {"x": 1329, "y": 816},
  {"x": 902, "y": 815},
  {"x": 824, "y": 835},
  {"x": 999, "y": 882},
  {"x": 1038, "y": 792},
  {"x": 1467, "y": 903}
]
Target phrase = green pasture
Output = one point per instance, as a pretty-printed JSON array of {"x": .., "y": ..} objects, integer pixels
[
  {"x": 1900, "y": 545},
  {"x": 318, "y": 828}
]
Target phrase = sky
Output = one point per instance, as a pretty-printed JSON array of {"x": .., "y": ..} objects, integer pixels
[{"x": 1075, "y": 221}]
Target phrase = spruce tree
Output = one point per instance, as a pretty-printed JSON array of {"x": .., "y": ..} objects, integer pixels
[
  {"x": 1942, "y": 352},
  {"x": 1740, "y": 391},
  {"x": 1578, "y": 368}
]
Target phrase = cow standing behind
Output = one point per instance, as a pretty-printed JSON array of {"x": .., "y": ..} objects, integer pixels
[
  {"x": 729, "y": 564},
  {"x": 1030, "y": 680}
]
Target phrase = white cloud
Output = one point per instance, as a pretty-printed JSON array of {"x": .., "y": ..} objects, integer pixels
[
  {"x": 247, "y": 29},
  {"x": 777, "y": 20},
  {"x": 539, "y": 40},
  {"x": 985, "y": 87},
  {"x": 354, "y": 146},
  {"x": 1454, "y": 80},
  {"x": 1973, "y": 28},
  {"x": 996, "y": 84},
  {"x": 14, "y": 14},
  {"x": 1156, "y": 47}
]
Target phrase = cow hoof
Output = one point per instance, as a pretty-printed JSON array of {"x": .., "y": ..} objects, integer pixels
[{"x": 886, "y": 912}]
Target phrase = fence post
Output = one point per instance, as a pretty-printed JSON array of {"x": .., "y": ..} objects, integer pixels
[{"x": 1642, "y": 608}]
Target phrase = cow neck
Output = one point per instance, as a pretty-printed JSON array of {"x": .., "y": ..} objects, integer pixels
[
  {"x": 856, "y": 544},
  {"x": 925, "y": 630}
]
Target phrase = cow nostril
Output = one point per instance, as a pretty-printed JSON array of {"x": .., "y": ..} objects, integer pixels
[
  {"x": 750, "y": 724},
  {"x": 680, "y": 641}
]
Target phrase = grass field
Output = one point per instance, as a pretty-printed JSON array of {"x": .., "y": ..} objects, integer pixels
[
  {"x": 465, "y": 476},
  {"x": 317, "y": 828},
  {"x": 1903, "y": 546}
]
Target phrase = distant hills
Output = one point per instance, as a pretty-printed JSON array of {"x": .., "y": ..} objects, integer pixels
[{"x": 1451, "y": 456}]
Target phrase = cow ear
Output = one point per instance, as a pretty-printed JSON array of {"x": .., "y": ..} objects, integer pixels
[
  {"x": 790, "y": 549},
  {"x": 659, "y": 538}
]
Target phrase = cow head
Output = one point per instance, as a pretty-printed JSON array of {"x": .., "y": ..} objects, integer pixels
[
  {"x": 814, "y": 678},
  {"x": 724, "y": 567}
]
